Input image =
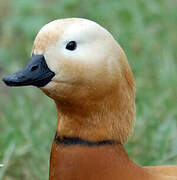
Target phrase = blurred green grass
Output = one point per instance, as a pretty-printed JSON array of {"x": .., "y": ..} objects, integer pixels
[{"x": 147, "y": 32}]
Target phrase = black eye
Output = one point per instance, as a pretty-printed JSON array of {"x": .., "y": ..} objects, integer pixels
[{"x": 71, "y": 46}]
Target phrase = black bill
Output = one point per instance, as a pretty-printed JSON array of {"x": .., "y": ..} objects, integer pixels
[{"x": 35, "y": 73}]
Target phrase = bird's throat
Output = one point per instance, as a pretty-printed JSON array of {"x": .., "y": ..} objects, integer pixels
[{"x": 106, "y": 119}]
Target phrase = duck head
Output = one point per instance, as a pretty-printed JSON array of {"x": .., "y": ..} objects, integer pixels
[{"x": 80, "y": 65}]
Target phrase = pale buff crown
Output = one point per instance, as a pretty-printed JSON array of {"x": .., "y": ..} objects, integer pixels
[{"x": 93, "y": 85}]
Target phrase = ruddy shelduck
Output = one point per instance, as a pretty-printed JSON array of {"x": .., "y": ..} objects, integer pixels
[{"x": 84, "y": 70}]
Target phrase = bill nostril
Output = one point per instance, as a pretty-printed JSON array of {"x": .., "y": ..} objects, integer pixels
[
  {"x": 34, "y": 67},
  {"x": 23, "y": 77}
]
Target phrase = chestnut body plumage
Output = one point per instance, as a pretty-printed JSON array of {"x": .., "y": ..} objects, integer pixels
[
  {"x": 105, "y": 162},
  {"x": 87, "y": 74}
]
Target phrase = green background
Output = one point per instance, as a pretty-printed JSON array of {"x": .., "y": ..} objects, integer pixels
[{"x": 147, "y": 31}]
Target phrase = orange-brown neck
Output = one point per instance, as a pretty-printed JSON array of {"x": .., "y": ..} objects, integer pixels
[{"x": 108, "y": 118}]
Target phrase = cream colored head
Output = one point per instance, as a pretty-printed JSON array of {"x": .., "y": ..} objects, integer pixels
[{"x": 93, "y": 81}]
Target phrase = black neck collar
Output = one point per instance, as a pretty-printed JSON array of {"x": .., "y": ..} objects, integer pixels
[{"x": 79, "y": 141}]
